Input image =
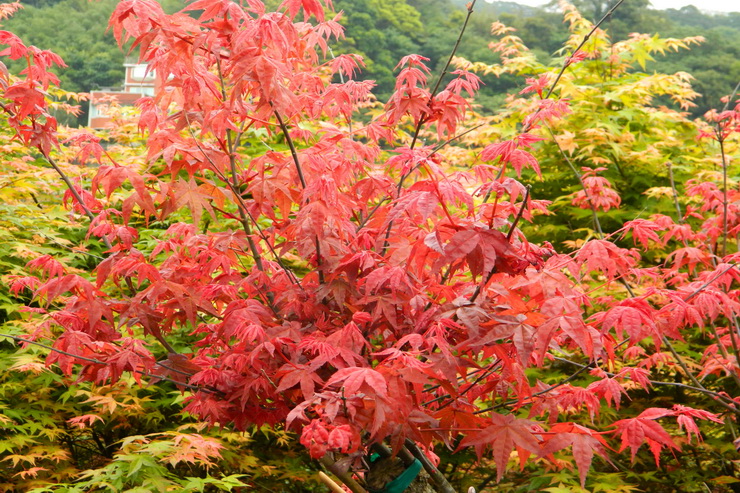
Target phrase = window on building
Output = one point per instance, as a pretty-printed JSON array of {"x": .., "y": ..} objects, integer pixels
[{"x": 140, "y": 72}]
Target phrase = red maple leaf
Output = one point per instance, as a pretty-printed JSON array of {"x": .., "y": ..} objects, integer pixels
[
  {"x": 506, "y": 434},
  {"x": 643, "y": 429},
  {"x": 584, "y": 443}
]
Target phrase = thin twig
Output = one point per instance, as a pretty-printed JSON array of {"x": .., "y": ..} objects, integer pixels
[
  {"x": 676, "y": 203},
  {"x": 242, "y": 206},
  {"x": 725, "y": 229},
  {"x": 433, "y": 93},
  {"x": 479, "y": 287},
  {"x": 234, "y": 184},
  {"x": 103, "y": 363},
  {"x": 73, "y": 190},
  {"x": 518, "y": 217},
  {"x": 399, "y": 186},
  {"x": 724, "y": 352},
  {"x": 299, "y": 169},
  {"x": 567, "y": 61},
  {"x": 579, "y": 177},
  {"x": 732, "y": 96},
  {"x": 721, "y": 399}
]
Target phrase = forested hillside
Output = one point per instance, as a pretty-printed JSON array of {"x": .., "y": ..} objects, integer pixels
[{"x": 383, "y": 31}]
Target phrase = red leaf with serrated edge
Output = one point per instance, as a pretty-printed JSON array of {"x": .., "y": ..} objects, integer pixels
[
  {"x": 506, "y": 434},
  {"x": 360, "y": 380},
  {"x": 634, "y": 316},
  {"x": 344, "y": 439},
  {"x": 73, "y": 342},
  {"x": 301, "y": 375},
  {"x": 315, "y": 438},
  {"x": 584, "y": 443},
  {"x": 461, "y": 244},
  {"x": 309, "y": 7},
  {"x": 644, "y": 430},
  {"x": 608, "y": 389},
  {"x": 606, "y": 257},
  {"x": 685, "y": 416},
  {"x": 643, "y": 231}
]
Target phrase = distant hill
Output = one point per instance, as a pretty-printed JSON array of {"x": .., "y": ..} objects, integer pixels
[{"x": 499, "y": 8}]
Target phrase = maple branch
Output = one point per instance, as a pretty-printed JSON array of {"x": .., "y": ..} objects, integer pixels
[
  {"x": 293, "y": 150},
  {"x": 441, "y": 483},
  {"x": 709, "y": 282},
  {"x": 433, "y": 93},
  {"x": 399, "y": 186},
  {"x": 488, "y": 371},
  {"x": 562, "y": 382},
  {"x": 734, "y": 331},
  {"x": 675, "y": 192},
  {"x": 721, "y": 399},
  {"x": 479, "y": 287},
  {"x": 341, "y": 78},
  {"x": 594, "y": 214},
  {"x": 294, "y": 154},
  {"x": 158, "y": 334},
  {"x": 519, "y": 214},
  {"x": 63, "y": 176},
  {"x": 732, "y": 96},
  {"x": 344, "y": 476},
  {"x": 243, "y": 209},
  {"x": 567, "y": 61},
  {"x": 73, "y": 190},
  {"x": 583, "y": 368},
  {"x": 103, "y": 363},
  {"x": 699, "y": 387},
  {"x": 724, "y": 352},
  {"x": 234, "y": 183},
  {"x": 566, "y": 64},
  {"x": 725, "y": 228}
]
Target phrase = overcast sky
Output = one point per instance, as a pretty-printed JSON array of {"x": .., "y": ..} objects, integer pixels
[{"x": 710, "y": 5}]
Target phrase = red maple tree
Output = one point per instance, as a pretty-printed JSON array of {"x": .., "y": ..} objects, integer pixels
[{"x": 356, "y": 290}]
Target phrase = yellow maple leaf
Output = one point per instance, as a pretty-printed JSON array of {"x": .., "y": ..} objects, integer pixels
[{"x": 567, "y": 142}]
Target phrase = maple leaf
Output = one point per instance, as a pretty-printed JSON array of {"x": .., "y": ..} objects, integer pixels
[
  {"x": 536, "y": 85},
  {"x": 72, "y": 342},
  {"x": 606, "y": 257},
  {"x": 302, "y": 375},
  {"x": 84, "y": 421},
  {"x": 506, "y": 434},
  {"x": 576, "y": 57},
  {"x": 643, "y": 231},
  {"x": 31, "y": 472},
  {"x": 685, "y": 417},
  {"x": 344, "y": 439},
  {"x": 584, "y": 443},
  {"x": 688, "y": 256},
  {"x": 585, "y": 336},
  {"x": 315, "y": 437},
  {"x": 310, "y": 7},
  {"x": 644, "y": 430},
  {"x": 635, "y": 316},
  {"x": 132, "y": 357},
  {"x": 356, "y": 380},
  {"x": 609, "y": 389}
]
